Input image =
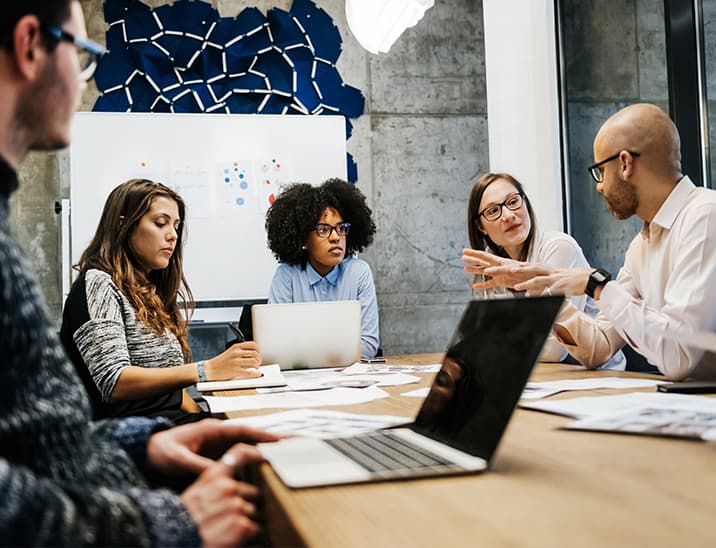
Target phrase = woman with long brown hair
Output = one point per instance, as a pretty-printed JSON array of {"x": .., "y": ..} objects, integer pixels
[{"x": 122, "y": 324}]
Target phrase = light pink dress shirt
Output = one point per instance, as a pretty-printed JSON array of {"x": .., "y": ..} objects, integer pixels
[{"x": 668, "y": 281}]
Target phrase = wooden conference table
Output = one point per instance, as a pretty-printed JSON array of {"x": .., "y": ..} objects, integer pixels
[{"x": 546, "y": 487}]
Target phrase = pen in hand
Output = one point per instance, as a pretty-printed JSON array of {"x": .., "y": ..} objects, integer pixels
[{"x": 239, "y": 335}]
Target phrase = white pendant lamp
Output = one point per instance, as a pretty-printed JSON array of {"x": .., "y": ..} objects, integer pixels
[{"x": 377, "y": 24}]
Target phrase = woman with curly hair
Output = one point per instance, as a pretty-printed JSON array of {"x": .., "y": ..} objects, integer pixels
[
  {"x": 314, "y": 233},
  {"x": 122, "y": 325}
]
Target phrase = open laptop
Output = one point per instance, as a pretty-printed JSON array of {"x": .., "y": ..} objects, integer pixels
[
  {"x": 463, "y": 417},
  {"x": 308, "y": 335}
]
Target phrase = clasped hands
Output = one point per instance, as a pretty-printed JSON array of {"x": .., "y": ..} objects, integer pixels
[
  {"x": 534, "y": 278},
  {"x": 223, "y": 507}
]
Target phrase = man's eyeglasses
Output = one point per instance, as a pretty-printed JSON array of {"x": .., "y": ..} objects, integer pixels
[
  {"x": 324, "y": 231},
  {"x": 596, "y": 171},
  {"x": 494, "y": 211},
  {"x": 89, "y": 52}
]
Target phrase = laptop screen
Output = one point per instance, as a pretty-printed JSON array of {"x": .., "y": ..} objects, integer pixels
[{"x": 484, "y": 371}]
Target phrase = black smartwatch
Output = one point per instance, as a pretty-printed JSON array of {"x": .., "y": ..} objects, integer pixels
[{"x": 597, "y": 278}]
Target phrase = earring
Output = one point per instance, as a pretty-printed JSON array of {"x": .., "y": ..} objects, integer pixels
[{"x": 304, "y": 247}]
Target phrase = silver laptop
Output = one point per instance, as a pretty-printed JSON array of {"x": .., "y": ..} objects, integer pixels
[
  {"x": 308, "y": 335},
  {"x": 462, "y": 418}
]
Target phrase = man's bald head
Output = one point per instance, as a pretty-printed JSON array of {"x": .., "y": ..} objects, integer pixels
[{"x": 645, "y": 129}]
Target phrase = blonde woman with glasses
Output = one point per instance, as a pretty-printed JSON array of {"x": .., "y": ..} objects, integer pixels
[{"x": 502, "y": 227}]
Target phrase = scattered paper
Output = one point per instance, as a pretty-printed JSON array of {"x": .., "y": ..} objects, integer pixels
[
  {"x": 379, "y": 368},
  {"x": 270, "y": 376},
  {"x": 419, "y": 393},
  {"x": 304, "y": 374},
  {"x": 655, "y": 420},
  {"x": 320, "y": 424},
  {"x": 536, "y": 390},
  {"x": 344, "y": 381},
  {"x": 535, "y": 393},
  {"x": 287, "y": 400},
  {"x": 596, "y": 406}
]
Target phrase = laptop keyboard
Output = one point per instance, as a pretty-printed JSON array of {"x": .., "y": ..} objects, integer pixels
[{"x": 386, "y": 452}]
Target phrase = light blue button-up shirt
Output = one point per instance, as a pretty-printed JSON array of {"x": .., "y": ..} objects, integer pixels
[{"x": 349, "y": 281}]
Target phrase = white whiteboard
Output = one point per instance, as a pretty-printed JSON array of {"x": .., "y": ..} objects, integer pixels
[{"x": 225, "y": 167}]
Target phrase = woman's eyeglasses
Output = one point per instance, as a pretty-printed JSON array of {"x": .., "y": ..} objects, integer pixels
[
  {"x": 494, "y": 211},
  {"x": 324, "y": 231}
]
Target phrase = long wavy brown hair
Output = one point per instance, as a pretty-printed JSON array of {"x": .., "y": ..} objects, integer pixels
[{"x": 155, "y": 294}]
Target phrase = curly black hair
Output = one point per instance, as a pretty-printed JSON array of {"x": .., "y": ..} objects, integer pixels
[{"x": 298, "y": 209}]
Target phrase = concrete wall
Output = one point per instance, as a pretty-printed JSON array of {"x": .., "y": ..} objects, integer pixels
[
  {"x": 709, "y": 34},
  {"x": 422, "y": 138}
]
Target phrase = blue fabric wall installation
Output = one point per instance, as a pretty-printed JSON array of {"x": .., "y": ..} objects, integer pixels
[{"x": 184, "y": 57}]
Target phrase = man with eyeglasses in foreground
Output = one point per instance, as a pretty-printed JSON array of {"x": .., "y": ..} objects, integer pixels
[
  {"x": 65, "y": 480},
  {"x": 668, "y": 281}
]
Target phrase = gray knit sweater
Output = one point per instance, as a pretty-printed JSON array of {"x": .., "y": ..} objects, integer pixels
[{"x": 65, "y": 480}]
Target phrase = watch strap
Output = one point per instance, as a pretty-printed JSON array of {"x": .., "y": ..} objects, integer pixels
[
  {"x": 200, "y": 371},
  {"x": 597, "y": 278}
]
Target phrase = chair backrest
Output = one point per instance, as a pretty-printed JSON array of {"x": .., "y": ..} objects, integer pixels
[
  {"x": 245, "y": 323},
  {"x": 636, "y": 362}
]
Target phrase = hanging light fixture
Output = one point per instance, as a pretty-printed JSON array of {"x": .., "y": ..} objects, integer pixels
[{"x": 377, "y": 24}]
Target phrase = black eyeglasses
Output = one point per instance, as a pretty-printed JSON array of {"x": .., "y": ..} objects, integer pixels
[
  {"x": 595, "y": 170},
  {"x": 494, "y": 211},
  {"x": 89, "y": 52},
  {"x": 324, "y": 231}
]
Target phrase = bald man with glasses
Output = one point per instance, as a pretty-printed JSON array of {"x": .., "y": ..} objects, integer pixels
[
  {"x": 668, "y": 281},
  {"x": 65, "y": 479}
]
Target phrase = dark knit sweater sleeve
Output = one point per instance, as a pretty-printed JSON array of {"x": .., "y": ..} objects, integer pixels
[
  {"x": 132, "y": 434},
  {"x": 63, "y": 479}
]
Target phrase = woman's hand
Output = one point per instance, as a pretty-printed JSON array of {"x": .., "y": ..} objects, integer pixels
[
  {"x": 478, "y": 262},
  {"x": 240, "y": 360}
]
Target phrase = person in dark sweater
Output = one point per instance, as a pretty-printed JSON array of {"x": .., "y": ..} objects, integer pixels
[{"x": 64, "y": 479}]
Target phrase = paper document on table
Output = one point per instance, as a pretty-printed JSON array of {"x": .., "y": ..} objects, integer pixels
[
  {"x": 655, "y": 420},
  {"x": 342, "y": 381},
  {"x": 595, "y": 406},
  {"x": 377, "y": 368},
  {"x": 313, "y": 423},
  {"x": 270, "y": 376},
  {"x": 418, "y": 393},
  {"x": 288, "y": 400},
  {"x": 535, "y": 390}
]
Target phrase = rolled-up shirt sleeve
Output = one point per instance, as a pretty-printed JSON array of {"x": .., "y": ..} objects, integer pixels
[
  {"x": 597, "y": 340},
  {"x": 675, "y": 290},
  {"x": 688, "y": 301}
]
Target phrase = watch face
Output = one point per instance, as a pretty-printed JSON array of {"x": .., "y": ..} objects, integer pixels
[{"x": 598, "y": 277}]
